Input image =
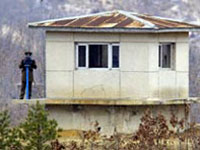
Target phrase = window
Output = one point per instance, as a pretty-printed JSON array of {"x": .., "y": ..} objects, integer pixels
[
  {"x": 82, "y": 56},
  {"x": 166, "y": 55},
  {"x": 115, "y": 56},
  {"x": 96, "y": 55}
]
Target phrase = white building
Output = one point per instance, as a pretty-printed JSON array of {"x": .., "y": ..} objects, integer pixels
[{"x": 111, "y": 66}]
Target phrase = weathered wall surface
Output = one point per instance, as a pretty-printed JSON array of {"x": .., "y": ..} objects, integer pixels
[
  {"x": 125, "y": 119},
  {"x": 138, "y": 77}
]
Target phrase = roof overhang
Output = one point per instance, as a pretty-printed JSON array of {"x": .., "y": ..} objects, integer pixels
[{"x": 115, "y": 30}]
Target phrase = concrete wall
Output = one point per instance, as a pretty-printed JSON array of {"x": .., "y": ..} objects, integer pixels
[
  {"x": 125, "y": 119},
  {"x": 138, "y": 76}
]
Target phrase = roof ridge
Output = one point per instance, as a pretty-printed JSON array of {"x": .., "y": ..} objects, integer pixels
[
  {"x": 146, "y": 23},
  {"x": 164, "y": 18},
  {"x": 125, "y": 13},
  {"x": 170, "y": 19}
]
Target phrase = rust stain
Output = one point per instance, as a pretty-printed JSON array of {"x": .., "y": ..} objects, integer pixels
[
  {"x": 98, "y": 21},
  {"x": 117, "y": 18},
  {"x": 80, "y": 22},
  {"x": 125, "y": 22},
  {"x": 61, "y": 23}
]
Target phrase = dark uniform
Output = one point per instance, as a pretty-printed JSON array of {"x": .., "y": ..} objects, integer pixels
[{"x": 32, "y": 65}]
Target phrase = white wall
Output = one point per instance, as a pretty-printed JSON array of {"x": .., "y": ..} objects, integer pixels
[
  {"x": 125, "y": 119},
  {"x": 138, "y": 76}
]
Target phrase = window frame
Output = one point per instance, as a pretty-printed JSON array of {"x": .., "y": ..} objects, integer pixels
[
  {"x": 77, "y": 56},
  {"x": 86, "y": 44},
  {"x": 172, "y": 55}
]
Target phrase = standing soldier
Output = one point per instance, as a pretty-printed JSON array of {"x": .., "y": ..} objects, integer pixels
[{"x": 27, "y": 61}]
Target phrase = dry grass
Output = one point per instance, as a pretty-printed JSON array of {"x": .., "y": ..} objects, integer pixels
[{"x": 153, "y": 134}]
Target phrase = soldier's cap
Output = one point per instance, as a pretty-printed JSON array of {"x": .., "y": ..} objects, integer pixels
[{"x": 28, "y": 53}]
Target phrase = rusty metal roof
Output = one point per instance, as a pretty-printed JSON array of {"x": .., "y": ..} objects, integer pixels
[{"x": 115, "y": 20}]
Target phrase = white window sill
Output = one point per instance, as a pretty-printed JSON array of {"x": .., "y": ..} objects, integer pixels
[
  {"x": 103, "y": 69},
  {"x": 166, "y": 69}
]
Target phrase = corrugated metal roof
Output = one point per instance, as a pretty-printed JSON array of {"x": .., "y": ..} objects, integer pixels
[{"x": 115, "y": 20}]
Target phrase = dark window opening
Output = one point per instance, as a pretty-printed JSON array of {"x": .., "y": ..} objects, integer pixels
[
  {"x": 165, "y": 55},
  {"x": 115, "y": 56},
  {"x": 98, "y": 56},
  {"x": 81, "y": 56},
  {"x": 160, "y": 59}
]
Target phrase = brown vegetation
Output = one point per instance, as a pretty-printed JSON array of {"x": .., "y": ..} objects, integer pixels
[{"x": 154, "y": 133}]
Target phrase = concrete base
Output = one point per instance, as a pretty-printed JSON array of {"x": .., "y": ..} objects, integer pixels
[
  {"x": 121, "y": 114},
  {"x": 125, "y": 119}
]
